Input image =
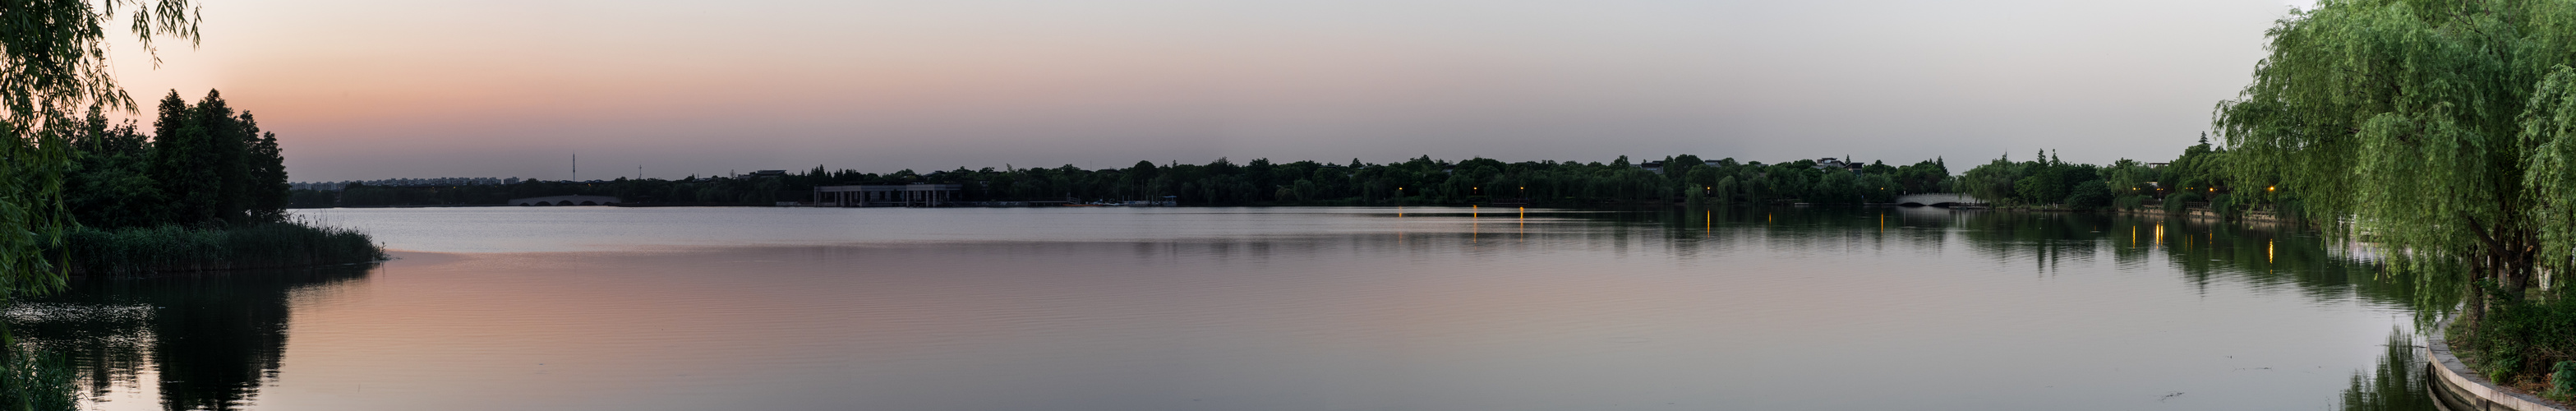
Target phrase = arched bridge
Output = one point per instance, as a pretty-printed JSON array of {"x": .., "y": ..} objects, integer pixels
[
  {"x": 1937, "y": 200},
  {"x": 565, "y": 201}
]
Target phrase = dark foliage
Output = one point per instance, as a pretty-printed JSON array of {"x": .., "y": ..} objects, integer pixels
[
  {"x": 1258, "y": 182},
  {"x": 207, "y": 191},
  {"x": 2522, "y": 338},
  {"x": 2180, "y": 202},
  {"x": 35, "y": 380},
  {"x": 170, "y": 248},
  {"x": 2088, "y": 195},
  {"x": 214, "y": 166},
  {"x": 204, "y": 166}
]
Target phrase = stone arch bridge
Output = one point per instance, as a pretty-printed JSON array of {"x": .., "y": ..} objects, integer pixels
[
  {"x": 1938, "y": 200},
  {"x": 565, "y": 201}
]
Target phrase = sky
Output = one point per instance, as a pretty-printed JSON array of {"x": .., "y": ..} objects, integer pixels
[{"x": 517, "y": 88}]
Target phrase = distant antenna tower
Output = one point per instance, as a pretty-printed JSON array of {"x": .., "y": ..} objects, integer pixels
[{"x": 576, "y": 166}]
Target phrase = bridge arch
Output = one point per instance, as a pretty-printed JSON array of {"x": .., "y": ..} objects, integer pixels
[
  {"x": 565, "y": 201},
  {"x": 1938, "y": 200}
]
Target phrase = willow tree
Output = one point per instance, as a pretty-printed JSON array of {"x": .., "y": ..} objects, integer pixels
[
  {"x": 53, "y": 63},
  {"x": 2437, "y": 128}
]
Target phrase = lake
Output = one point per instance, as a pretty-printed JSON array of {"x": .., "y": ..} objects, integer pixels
[{"x": 599, "y": 308}]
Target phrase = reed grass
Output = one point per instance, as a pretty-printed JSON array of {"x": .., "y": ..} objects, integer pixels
[{"x": 173, "y": 249}]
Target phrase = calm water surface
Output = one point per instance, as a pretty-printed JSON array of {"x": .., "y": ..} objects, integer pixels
[{"x": 594, "y": 308}]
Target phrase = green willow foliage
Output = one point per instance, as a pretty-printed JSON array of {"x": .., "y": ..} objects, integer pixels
[
  {"x": 2440, "y": 128},
  {"x": 2437, "y": 125},
  {"x": 32, "y": 216},
  {"x": 53, "y": 62}
]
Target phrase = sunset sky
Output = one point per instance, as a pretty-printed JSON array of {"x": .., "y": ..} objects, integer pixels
[{"x": 486, "y": 88}]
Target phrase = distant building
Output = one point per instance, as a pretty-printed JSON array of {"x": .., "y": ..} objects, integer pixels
[
  {"x": 1832, "y": 163},
  {"x": 1829, "y": 162},
  {"x": 768, "y": 173},
  {"x": 888, "y": 195}
]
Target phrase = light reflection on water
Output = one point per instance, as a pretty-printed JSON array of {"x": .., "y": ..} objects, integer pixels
[{"x": 1252, "y": 309}]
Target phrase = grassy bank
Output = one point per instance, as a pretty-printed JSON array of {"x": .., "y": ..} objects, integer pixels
[
  {"x": 2525, "y": 342},
  {"x": 170, "y": 248}
]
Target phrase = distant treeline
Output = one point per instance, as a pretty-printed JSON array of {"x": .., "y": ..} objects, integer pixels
[
  {"x": 2200, "y": 177},
  {"x": 206, "y": 190},
  {"x": 1673, "y": 180}
]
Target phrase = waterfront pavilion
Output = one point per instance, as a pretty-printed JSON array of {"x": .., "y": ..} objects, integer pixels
[{"x": 888, "y": 195}]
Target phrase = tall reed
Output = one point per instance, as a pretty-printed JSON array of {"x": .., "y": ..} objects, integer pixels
[{"x": 171, "y": 248}]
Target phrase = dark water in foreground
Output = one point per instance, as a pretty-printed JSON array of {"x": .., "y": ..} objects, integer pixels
[{"x": 1250, "y": 309}]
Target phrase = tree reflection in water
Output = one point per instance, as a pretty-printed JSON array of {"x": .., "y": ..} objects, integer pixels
[
  {"x": 2206, "y": 251},
  {"x": 211, "y": 340},
  {"x": 2263, "y": 256},
  {"x": 2398, "y": 384}
]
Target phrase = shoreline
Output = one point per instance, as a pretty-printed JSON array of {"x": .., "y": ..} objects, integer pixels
[
  {"x": 76, "y": 273},
  {"x": 2455, "y": 387}
]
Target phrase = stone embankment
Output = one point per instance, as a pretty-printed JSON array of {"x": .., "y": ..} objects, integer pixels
[
  {"x": 2204, "y": 215},
  {"x": 2457, "y": 388}
]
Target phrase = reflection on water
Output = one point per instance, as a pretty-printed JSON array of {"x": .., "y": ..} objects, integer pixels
[
  {"x": 1433, "y": 308},
  {"x": 210, "y": 341},
  {"x": 2397, "y": 384},
  {"x": 2202, "y": 251}
]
